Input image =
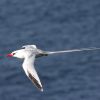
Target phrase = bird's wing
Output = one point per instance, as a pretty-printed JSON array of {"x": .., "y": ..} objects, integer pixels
[
  {"x": 31, "y": 72},
  {"x": 29, "y": 47}
]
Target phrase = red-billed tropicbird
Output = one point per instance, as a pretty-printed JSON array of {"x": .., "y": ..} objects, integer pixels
[{"x": 29, "y": 53}]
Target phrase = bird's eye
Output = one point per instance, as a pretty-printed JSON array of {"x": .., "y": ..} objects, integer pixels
[{"x": 14, "y": 53}]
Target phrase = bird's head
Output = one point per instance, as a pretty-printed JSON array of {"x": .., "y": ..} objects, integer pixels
[
  {"x": 26, "y": 51},
  {"x": 18, "y": 54}
]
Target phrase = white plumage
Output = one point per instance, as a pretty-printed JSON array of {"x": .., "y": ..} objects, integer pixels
[{"x": 29, "y": 53}]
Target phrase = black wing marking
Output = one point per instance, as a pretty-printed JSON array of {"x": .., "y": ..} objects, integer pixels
[
  {"x": 40, "y": 55},
  {"x": 35, "y": 82}
]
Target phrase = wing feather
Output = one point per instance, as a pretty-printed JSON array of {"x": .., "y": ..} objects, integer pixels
[
  {"x": 31, "y": 72},
  {"x": 35, "y": 82}
]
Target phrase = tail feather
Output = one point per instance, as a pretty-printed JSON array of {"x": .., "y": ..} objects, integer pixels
[{"x": 73, "y": 50}]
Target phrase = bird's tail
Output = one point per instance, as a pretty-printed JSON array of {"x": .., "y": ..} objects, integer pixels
[{"x": 72, "y": 50}]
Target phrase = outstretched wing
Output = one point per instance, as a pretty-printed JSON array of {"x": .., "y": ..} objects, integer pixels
[
  {"x": 31, "y": 72},
  {"x": 29, "y": 47}
]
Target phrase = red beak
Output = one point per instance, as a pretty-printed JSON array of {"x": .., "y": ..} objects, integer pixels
[{"x": 9, "y": 55}]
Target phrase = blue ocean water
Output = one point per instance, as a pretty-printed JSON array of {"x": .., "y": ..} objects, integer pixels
[{"x": 51, "y": 25}]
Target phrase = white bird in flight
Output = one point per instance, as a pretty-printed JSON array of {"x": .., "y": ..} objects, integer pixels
[{"x": 29, "y": 53}]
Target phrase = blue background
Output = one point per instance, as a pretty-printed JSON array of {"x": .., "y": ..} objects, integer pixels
[{"x": 51, "y": 25}]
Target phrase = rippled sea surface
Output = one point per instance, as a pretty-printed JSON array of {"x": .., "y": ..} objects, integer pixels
[{"x": 51, "y": 25}]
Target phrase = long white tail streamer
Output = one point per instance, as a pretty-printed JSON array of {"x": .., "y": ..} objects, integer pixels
[{"x": 74, "y": 50}]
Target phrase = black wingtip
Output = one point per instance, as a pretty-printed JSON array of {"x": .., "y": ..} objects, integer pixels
[{"x": 35, "y": 82}]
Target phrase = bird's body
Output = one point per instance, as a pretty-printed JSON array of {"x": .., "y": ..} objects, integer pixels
[{"x": 29, "y": 53}]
